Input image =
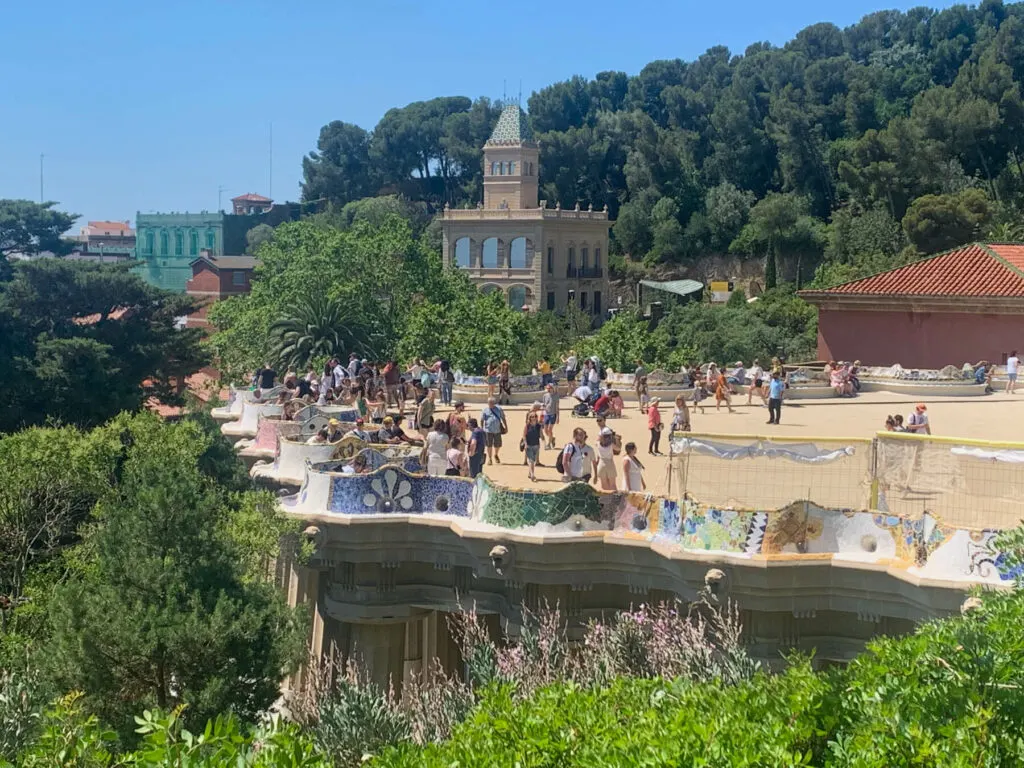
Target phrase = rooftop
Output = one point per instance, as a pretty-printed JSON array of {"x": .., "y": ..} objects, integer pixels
[
  {"x": 252, "y": 197},
  {"x": 977, "y": 269},
  {"x": 229, "y": 262},
  {"x": 96, "y": 227},
  {"x": 513, "y": 128}
]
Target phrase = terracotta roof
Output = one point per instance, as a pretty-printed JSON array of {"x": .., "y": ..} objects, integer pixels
[
  {"x": 252, "y": 197},
  {"x": 109, "y": 226},
  {"x": 978, "y": 269}
]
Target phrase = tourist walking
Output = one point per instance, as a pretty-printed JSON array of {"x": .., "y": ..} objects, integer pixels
[
  {"x": 492, "y": 377},
  {"x": 917, "y": 422},
  {"x": 756, "y": 383},
  {"x": 681, "y": 416},
  {"x": 575, "y": 467},
  {"x": 436, "y": 449},
  {"x": 1012, "y": 366},
  {"x": 531, "y": 442},
  {"x": 477, "y": 448},
  {"x": 550, "y": 402},
  {"x": 446, "y": 381},
  {"x": 633, "y": 470},
  {"x": 605, "y": 469},
  {"x": 640, "y": 385},
  {"x": 572, "y": 368},
  {"x": 654, "y": 425},
  {"x": 457, "y": 423},
  {"x": 492, "y": 419},
  {"x": 722, "y": 392},
  {"x": 393, "y": 385},
  {"x": 776, "y": 387},
  {"x": 505, "y": 383},
  {"x": 425, "y": 413},
  {"x": 544, "y": 369}
]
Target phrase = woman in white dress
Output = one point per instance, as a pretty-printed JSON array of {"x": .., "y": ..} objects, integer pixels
[
  {"x": 436, "y": 448},
  {"x": 633, "y": 471}
]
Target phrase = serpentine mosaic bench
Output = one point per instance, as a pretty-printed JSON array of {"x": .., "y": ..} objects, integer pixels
[{"x": 923, "y": 546}]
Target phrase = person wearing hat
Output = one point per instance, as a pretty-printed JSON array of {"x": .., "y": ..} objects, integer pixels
[
  {"x": 334, "y": 433},
  {"x": 654, "y": 425},
  {"x": 605, "y": 469},
  {"x": 917, "y": 422},
  {"x": 359, "y": 432}
]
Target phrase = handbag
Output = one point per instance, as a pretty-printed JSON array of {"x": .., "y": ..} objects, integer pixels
[{"x": 522, "y": 445}]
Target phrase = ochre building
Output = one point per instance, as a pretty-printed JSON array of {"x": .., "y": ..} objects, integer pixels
[
  {"x": 963, "y": 305},
  {"x": 540, "y": 257}
]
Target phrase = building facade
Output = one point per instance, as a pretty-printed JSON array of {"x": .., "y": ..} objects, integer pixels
[
  {"x": 106, "y": 241},
  {"x": 964, "y": 305},
  {"x": 540, "y": 258},
  {"x": 214, "y": 278},
  {"x": 250, "y": 203}
]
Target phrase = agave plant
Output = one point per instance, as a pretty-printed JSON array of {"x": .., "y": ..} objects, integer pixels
[{"x": 317, "y": 327}]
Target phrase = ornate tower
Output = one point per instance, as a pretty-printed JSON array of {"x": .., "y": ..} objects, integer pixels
[{"x": 510, "y": 163}]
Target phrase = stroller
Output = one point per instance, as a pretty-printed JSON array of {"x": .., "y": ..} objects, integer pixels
[{"x": 585, "y": 409}]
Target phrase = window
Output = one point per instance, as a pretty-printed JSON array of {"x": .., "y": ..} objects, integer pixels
[
  {"x": 572, "y": 296},
  {"x": 597, "y": 302},
  {"x": 193, "y": 243},
  {"x": 572, "y": 258},
  {"x": 494, "y": 169},
  {"x": 179, "y": 244},
  {"x": 501, "y": 168},
  {"x": 551, "y": 300},
  {"x": 238, "y": 277},
  {"x": 211, "y": 239},
  {"x": 511, "y": 169},
  {"x": 149, "y": 242},
  {"x": 551, "y": 260},
  {"x": 584, "y": 258},
  {"x": 163, "y": 243},
  {"x": 597, "y": 258},
  {"x": 583, "y": 299}
]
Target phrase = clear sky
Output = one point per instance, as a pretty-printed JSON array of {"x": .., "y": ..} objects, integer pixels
[{"x": 151, "y": 106}]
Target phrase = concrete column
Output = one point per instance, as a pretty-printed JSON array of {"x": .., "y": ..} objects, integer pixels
[{"x": 414, "y": 658}]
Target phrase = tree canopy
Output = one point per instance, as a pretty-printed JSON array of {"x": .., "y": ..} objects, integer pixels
[{"x": 912, "y": 112}]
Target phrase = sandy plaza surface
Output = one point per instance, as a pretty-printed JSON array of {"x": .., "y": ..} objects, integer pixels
[{"x": 992, "y": 417}]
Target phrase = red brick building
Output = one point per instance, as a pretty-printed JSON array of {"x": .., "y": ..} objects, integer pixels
[
  {"x": 217, "y": 277},
  {"x": 960, "y": 306}
]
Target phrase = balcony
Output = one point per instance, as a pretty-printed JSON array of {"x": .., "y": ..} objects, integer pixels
[{"x": 584, "y": 272}]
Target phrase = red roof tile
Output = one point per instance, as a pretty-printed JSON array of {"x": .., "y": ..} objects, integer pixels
[
  {"x": 252, "y": 197},
  {"x": 977, "y": 269}
]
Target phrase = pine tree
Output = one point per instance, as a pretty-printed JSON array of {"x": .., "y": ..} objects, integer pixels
[
  {"x": 771, "y": 278},
  {"x": 162, "y": 613}
]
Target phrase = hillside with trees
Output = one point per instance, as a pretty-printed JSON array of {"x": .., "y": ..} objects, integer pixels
[{"x": 852, "y": 149}]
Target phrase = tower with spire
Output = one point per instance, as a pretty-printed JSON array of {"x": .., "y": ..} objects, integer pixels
[{"x": 540, "y": 256}]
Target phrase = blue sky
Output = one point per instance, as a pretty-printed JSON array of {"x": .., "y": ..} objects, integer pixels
[{"x": 149, "y": 106}]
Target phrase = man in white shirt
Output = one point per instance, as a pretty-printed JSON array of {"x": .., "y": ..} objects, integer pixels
[
  {"x": 917, "y": 422},
  {"x": 756, "y": 377},
  {"x": 1012, "y": 364},
  {"x": 577, "y": 459},
  {"x": 340, "y": 374}
]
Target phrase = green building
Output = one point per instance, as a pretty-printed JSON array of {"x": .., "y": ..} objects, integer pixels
[{"x": 167, "y": 243}]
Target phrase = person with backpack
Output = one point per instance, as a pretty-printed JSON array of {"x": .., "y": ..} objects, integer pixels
[
  {"x": 477, "y": 448},
  {"x": 576, "y": 462}
]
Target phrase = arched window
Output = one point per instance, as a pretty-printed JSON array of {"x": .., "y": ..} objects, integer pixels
[
  {"x": 193, "y": 243},
  {"x": 517, "y": 253},
  {"x": 517, "y": 297},
  {"x": 597, "y": 258},
  {"x": 462, "y": 246},
  {"x": 211, "y": 239},
  {"x": 572, "y": 257},
  {"x": 490, "y": 253},
  {"x": 494, "y": 168},
  {"x": 149, "y": 242},
  {"x": 179, "y": 243},
  {"x": 511, "y": 169},
  {"x": 584, "y": 258},
  {"x": 163, "y": 242}
]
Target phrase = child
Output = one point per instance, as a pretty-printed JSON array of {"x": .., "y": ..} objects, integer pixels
[{"x": 616, "y": 405}]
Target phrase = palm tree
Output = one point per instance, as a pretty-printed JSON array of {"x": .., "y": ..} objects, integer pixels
[{"x": 317, "y": 327}]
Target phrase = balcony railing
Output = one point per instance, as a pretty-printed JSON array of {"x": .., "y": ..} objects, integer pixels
[{"x": 584, "y": 272}]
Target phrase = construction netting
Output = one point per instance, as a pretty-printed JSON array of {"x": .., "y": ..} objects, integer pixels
[{"x": 967, "y": 483}]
